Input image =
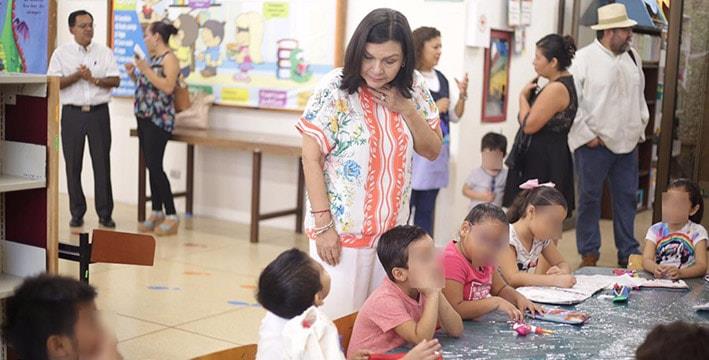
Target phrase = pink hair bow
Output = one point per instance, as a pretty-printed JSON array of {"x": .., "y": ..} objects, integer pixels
[{"x": 534, "y": 183}]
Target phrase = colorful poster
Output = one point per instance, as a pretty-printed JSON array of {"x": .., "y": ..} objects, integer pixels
[
  {"x": 245, "y": 52},
  {"x": 23, "y": 36}
]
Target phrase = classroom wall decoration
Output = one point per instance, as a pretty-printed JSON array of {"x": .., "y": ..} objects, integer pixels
[
  {"x": 253, "y": 53},
  {"x": 497, "y": 77},
  {"x": 24, "y": 29}
]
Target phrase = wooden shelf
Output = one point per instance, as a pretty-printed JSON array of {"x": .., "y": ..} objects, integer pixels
[
  {"x": 16, "y": 78},
  {"x": 8, "y": 283},
  {"x": 10, "y": 183}
]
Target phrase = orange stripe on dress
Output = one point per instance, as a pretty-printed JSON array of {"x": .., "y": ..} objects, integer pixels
[{"x": 307, "y": 127}]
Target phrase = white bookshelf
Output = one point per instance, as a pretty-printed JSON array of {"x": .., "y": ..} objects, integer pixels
[
  {"x": 17, "y": 183},
  {"x": 8, "y": 283}
]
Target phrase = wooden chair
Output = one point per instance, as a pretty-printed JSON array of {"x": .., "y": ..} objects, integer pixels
[
  {"x": 246, "y": 352},
  {"x": 111, "y": 247},
  {"x": 344, "y": 326}
]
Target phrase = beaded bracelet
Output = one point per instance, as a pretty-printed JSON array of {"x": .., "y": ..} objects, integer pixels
[{"x": 321, "y": 230}]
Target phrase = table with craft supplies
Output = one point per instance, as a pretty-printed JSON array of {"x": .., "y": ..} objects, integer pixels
[{"x": 614, "y": 331}]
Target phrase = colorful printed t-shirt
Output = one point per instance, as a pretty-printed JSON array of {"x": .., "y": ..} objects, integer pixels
[
  {"x": 368, "y": 154},
  {"x": 387, "y": 308},
  {"x": 527, "y": 260},
  {"x": 676, "y": 248},
  {"x": 477, "y": 282}
]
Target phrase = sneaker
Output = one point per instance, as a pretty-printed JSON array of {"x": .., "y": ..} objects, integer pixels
[
  {"x": 589, "y": 260},
  {"x": 168, "y": 227},
  {"x": 150, "y": 224}
]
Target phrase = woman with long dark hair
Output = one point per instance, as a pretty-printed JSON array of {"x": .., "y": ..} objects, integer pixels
[
  {"x": 546, "y": 117},
  {"x": 360, "y": 130}
]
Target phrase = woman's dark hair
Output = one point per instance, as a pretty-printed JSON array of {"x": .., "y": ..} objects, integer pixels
[
  {"x": 164, "y": 29},
  {"x": 664, "y": 341},
  {"x": 540, "y": 196},
  {"x": 494, "y": 141},
  {"x": 563, "y": 48},
  {"x": 486, "y": 211},
  {"x": 421, "y": 35},
  {"x": 287, "y": 286},
  {"x": 695, "y": 196},
  {"x": 393, "y": 247},
  {"x": 380, "y": 26},
  {"x": 76, "y": 14},
  {"x": 42, "y": 307}
]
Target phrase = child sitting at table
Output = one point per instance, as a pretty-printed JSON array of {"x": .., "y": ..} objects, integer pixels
[
  {"x": 536, "y": 222},
  {"x": 408, "y": 305},
  {"x": 486, "y": 183},
  {"x": 52, "y": 318},
  {"x": 675, "y": 248},
  {"x": 288, "y": 288},
  {"x": 675, "y": 341},
  {"x": 473, "y": 286}
]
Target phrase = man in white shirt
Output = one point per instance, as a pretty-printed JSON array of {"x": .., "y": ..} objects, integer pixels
[
  {"x": 88, "y": 72},
  {"x": 609, "y": 124}
]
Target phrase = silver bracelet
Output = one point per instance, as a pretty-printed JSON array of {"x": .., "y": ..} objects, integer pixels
[{"x": 321, "y": 230}]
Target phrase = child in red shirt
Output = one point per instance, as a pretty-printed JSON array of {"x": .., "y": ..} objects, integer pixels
[
  {"x": 407, "y": 306},
  {"x": 473, "y": 286}
]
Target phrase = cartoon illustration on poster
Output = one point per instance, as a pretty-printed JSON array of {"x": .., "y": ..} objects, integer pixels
[
  {"x": 23, "y": 26},
  {"x": 245, "y": 52}
]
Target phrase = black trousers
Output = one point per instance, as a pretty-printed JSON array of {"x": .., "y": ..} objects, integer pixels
[
  {"x": 153, "y": 141},
  {"x": 76, "y": 127}
]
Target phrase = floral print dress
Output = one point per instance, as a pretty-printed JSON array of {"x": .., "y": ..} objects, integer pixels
[
  {"x": 368, "y": 155},
  {"x": 150, "y": 102}
]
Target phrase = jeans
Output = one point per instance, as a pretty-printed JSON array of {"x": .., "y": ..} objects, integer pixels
[
  {"x": 424, "y": 201},
  {"x": 593, "y": 167},
  {"x": 153, "y": 141}
]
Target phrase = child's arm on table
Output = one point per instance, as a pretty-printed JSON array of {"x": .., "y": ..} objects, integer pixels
[
  {"x": 449, "y": 319},
  {"x": 700, "y": 262},
  {"x": 516, "y": 278},
  {"x": 502, "y": 289},
  {"x": 415, "y": 332},
  {"x": 649, "y": 260},
  {"x": 558, "y": 265},
  {"x": 476, "y": 308}
]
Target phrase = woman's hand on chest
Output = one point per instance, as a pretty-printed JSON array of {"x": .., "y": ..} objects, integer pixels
[{"x": 392, "y": 100}]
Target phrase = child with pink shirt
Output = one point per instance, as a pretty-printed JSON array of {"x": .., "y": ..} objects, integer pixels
[
  {"x": 473, "y": 286},
  {"x": 408, "y": 306}
]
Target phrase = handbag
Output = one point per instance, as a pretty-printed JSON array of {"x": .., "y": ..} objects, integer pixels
[
  {"x": 522, "y": 141},
  {"x": 182, "y": 96}
]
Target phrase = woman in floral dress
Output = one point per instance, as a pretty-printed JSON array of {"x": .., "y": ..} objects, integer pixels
[{"x": 360, "y": 130}]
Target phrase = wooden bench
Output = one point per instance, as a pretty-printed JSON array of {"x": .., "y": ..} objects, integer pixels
[{"x": 257, "y": 144}]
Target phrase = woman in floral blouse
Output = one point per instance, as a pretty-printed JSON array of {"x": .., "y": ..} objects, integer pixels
[{"x": 360, "y": 130}]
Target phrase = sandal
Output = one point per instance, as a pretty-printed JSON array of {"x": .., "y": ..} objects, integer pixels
[
  {"x": 150, "y": 224},
  {"x": 167, "y": 227}
]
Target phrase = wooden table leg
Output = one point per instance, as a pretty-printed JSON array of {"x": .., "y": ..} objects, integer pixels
[
  {"x": 300, "y": 199},
  {"x": 189, "y": 182},
  {"x": 255, "y": 195},
  {"x": 142, "y": 198}
]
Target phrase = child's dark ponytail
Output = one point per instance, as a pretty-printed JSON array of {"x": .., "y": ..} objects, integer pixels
[
  {"x": 695, "y": 196},
  {"x": 539, "y": 196}
]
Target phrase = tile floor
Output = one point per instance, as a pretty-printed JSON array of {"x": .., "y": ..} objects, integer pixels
[{"x": 198, "y": 298}]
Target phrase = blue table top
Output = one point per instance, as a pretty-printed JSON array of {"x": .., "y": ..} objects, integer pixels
[{"x": 613, "y": 332}]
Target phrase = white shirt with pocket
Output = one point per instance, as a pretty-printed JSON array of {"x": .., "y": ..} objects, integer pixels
[
  {"x": 98, "y": 58},
  {"x": 611, "y": 93}
]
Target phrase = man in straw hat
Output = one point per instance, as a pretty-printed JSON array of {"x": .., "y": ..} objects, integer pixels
[{"x": 609, "y": 124}]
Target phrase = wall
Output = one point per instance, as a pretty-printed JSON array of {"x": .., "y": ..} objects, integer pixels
[{"x": 219, "y": 172}]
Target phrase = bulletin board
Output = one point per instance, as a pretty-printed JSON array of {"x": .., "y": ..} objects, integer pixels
[
  {"x": 26, "y": 36},
  {"x": 251, "y": 53}
]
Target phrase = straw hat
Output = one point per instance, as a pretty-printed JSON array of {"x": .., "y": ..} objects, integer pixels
[{"x": 613, "y": 16}]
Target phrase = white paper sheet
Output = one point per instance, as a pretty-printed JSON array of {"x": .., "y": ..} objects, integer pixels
[{"x": 478, "y": 24}]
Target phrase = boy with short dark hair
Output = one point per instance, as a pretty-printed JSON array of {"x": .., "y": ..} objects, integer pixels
[
  {"x": 52, "y": 318},
  {"x": 288, "y": 287},
  {"x": 675, "y": 341},
  {"x": 486, "y": 184},
  {"x": 408, "y": 305}
]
